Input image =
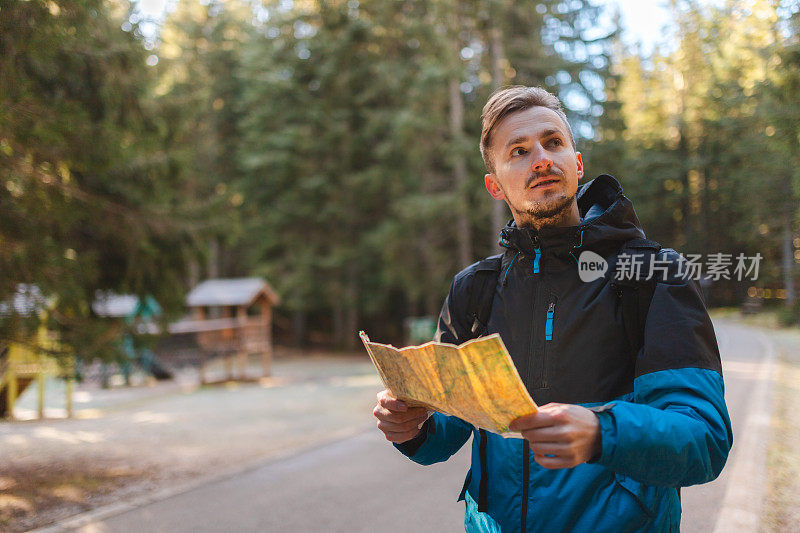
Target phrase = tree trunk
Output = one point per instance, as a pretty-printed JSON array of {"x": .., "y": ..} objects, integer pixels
[
  {"x": 337, "y": 321},
  {"x": 460, "y": 174},
  {"x": 686, "y": 237},
  {"x": 194, "y": 274},
  {"x": 426, "y": 297},
  {"x": 213, "y": 259},
  {"x": 499, "y": 212},
  {"x": 788, "y": 260},
  {"x": 299, "y": 328},
  {"x": 351, "y": 308}
]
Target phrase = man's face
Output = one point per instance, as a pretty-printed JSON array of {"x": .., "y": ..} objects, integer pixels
[{"x": 536, "y": 169}]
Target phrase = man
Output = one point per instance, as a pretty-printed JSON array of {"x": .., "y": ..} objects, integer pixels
[{"x": 619, "y": 428}]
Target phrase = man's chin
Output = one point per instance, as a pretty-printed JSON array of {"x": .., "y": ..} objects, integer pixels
[{"x": 551, "y": 209}]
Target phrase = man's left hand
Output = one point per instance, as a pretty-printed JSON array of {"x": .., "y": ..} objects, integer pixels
[{"x": 560, "y": 435}]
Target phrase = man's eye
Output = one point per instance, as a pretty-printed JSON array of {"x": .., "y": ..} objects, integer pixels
[
  {"x": 555, "y": 142},
  {"x": 517, "y": 151}
]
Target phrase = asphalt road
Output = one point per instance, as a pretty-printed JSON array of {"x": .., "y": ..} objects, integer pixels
[
  {"x": 746, "y": 365},
  {"x": 360, "y": 483},
  {"x": 357, "y": 484}
]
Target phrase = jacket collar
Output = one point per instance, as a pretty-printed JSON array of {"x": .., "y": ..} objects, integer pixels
[{"x": 615, "y": 223}]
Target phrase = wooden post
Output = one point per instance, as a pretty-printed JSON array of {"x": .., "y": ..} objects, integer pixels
[
  {"x": 241, "y": 355},
  {"x": 11, "y": 397},
  {"x": 69, "y": 383},
  {"x": 203, "y": 379},
  {"x": 40, "y": 385},
  {"x": 266, "y": 353},
  {"x": 241, "y": 339},
  {"x": 266, "y": 359},
  {"x": 229, "y": 366}
]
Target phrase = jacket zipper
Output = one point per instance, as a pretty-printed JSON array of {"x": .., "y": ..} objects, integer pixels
[
  {"x": 526, "y": 450},
  {"x": 526, "y": 460},
  {"x": 526, "y": 464},
  {"x": 529, "y": 378},
  {"x": 548, "y": 336}
]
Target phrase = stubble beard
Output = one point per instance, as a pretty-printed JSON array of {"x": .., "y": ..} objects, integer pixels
[{"x": 551, "y": 211}]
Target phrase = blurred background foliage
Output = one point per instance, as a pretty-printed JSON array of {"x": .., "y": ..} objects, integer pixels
[{"x": 331, "y": 147}]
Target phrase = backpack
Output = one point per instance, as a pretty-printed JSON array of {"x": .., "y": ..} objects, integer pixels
[{"x": 633, "y": 295}]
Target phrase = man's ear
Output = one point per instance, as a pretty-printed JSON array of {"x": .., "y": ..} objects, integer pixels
[
  {"x": 579, "y": 159},
  {"x": 493, "y": 187}
]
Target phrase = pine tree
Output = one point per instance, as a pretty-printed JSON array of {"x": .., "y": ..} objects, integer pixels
[{"x": 86, "y": 198}]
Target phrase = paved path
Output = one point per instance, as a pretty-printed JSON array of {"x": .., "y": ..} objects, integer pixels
[
  {"x": 733, "y": 501},
  {"x": 717, "y": 506},
  {"x": 360, "y": 483}
]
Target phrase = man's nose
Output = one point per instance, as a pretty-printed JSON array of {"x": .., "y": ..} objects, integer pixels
[{"x": 542, "y": 165}]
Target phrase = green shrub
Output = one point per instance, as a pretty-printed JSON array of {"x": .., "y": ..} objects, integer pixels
[{"x": 790, "y": 316}]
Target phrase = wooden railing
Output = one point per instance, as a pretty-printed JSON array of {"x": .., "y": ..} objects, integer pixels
[
  {"x": 232, "y": 338},
  {"x": 226, "y": 334}
]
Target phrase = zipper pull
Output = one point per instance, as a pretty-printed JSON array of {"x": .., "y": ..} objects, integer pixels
[
  {"x": 548, "y": 325},
  {"x": 538, "y": 254}
]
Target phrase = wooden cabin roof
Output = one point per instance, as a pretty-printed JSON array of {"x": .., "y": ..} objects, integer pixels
[{"x": 230, "y": 291}]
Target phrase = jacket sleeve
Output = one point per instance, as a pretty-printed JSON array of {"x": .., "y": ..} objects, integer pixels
[
  {"x": 443, "y": 435},
  {"x": 676, "y": 431}
]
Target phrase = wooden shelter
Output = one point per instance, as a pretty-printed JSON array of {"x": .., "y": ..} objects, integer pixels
[{"x": 233, "y": 318}]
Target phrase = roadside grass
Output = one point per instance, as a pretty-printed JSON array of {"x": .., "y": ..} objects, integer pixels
[
  {"x": 782, "y": 508},
  {"x": 767, "y": 319},
  {"x": 782, "y": 505}
]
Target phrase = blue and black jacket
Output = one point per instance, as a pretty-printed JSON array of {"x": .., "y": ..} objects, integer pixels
[{"x": 663, "y": 419}]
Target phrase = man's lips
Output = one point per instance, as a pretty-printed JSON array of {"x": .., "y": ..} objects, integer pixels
[{"x": 544, "y": 182}]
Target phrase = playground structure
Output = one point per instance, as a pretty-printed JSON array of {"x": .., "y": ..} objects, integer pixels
[
  {"x": 137, "y": 315},
  {"x": 21, "y": 366},
  {"x": 229, "y": 318},
  {"x": 24, "y": 364}
]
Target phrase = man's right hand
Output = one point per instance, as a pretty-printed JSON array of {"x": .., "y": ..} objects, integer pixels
[{"x": 398, "y": 422}]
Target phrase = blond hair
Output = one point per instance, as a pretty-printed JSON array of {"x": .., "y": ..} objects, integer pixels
[{"x": 507, "y": 100}]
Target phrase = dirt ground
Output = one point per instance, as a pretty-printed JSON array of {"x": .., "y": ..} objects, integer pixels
[
  {"x": 783, "y": 460},
  {"x": 154, "y": 438},
  {"x": 34, "y": 494}
]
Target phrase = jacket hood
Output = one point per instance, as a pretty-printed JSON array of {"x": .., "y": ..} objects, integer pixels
[{"x": 607, "y": 220}]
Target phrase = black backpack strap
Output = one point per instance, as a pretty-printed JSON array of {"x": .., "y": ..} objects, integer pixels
[
  {"x": 636, "y": 294},
  {"x": 479, "y": 308},
  {"x": 481, "y": 294},
  {"x": 483, "y": 488}
]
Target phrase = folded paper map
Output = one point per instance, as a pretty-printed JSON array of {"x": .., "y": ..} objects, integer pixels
[{"x": 476, "y": 381}]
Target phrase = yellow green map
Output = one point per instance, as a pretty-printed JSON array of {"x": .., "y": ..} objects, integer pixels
[{"x": 476, "y": 381}]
